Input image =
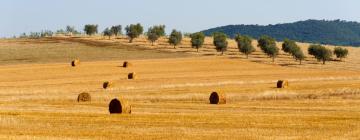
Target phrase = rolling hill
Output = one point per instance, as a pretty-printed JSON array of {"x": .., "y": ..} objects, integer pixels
[{"x": 333, "y": 32}]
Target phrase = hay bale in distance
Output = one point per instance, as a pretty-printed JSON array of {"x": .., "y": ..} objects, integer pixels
[
  {"x": 117, "y": 106},
  {"x": 282, "y": 84},
  {"x": 75, "y": 62},
  {"x": 84, "y": 97},
  {"x": 132, "y": 75},
  {"x": 127, "y": 64},
  {"x": 217, "y": 98},
  {"x": 107, "y": 84}
]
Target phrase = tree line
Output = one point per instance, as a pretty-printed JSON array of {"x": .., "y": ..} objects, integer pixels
[{"x": 266, "y": 43}]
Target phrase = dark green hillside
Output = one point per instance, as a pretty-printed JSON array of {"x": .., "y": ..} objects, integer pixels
[{"x": 335, "y": 32}]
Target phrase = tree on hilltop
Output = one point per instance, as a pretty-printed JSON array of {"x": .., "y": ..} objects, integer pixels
[{"x": 133, "y": 31}]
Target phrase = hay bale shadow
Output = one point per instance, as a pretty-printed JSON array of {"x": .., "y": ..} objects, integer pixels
[
  {"x": 282, "y": 84},
  {"x": 75, "y": 62},
  {"x": 108, "y": 84},
  {"x": 132, "y": 76}
]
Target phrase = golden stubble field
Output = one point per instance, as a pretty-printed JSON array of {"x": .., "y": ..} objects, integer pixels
[{"x": 170, "y": 97}]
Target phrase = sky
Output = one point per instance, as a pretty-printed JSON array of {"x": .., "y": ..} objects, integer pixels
[{"x": 18, "y": 16}]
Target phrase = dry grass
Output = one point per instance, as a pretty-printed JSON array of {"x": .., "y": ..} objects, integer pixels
[
  {"x": 49, "y": 50},
  {"x": 171, "y": 99}
]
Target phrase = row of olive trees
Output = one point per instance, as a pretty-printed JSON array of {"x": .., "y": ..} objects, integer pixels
[
  {"x": 268, "y": 46},
  {"x": 265, "y": 43},
  {"x": 37, "y": 35},
  {"x": 135, "y": 30},
  {"x": 324, "y": 54},
  {"x": 113, "y": 31},
  {"x": 220, "y": 41}
]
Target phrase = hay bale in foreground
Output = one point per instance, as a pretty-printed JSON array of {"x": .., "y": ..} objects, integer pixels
[
  {"x": 282, "y": 84},
  {"x": 132, "y": 75},
  {"x": 75, "y": 62},
  {"x": 117, "y": 106},
  {"x": 127, "y": 64},
  {"x": 84, "y": 97},
  {"x": 107, "y": 84},
  {"x": 217, "y": 98}
]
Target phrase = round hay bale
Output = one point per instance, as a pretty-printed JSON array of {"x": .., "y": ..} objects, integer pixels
[
  {"x": 282, "y": 84},
  {"x": 127, "y": 64},
  {"x": 107, "y": 84},
  {"x": 217, "y": 98},
  {"x": 75, "y": 62},
  {"x": 132, "y": 75},
  {"x": 84, "y": 97},
  {"x": 117, "y": 106}
]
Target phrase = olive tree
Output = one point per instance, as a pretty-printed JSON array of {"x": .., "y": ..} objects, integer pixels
[
  {"x": 116, "y": 30},
  {"x": 288, "y": 46},
  {"x": 70, "y": 30},
  {"x": 91, "y": 29},
  {"x": 299, "y": 55},
  {"x": 320, "y": 53},
  {"x": 197, "y": 40},
  {"x": 107, "y": 32},
  {"x": 175, "y": 38},
  {"x": 155, "y": 32},
  {"x": 268, "y": 46},
  {"x": 133, "y": 31},
  {"x": 244, "y": 44},
  {"x": 341, "y": 52},
  {"x": 220, "y": 42}
]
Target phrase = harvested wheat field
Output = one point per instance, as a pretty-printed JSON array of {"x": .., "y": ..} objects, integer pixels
[{"x": 170, "y": 97}]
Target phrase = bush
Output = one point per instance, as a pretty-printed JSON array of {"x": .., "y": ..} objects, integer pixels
[
  {"x": 220, "y": 42},
  {"x": 134, "y": 31},
  {"x": 341, "y": 52},
  {"x": 197, "y": 40},
  {"x": 244, "y": 44},
  {"x": 175, "y": 38}
]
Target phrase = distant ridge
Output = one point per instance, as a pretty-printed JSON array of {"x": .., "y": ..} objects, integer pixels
[{"x": 333, "y": 32}]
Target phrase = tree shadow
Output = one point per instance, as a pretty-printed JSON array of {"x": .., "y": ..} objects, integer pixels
[
  {"x": 257, "y": 61},
  {"x": 285, "y": 65}
]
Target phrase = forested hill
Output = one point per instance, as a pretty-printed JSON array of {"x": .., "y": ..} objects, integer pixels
[{"x": 335, "y": 32}]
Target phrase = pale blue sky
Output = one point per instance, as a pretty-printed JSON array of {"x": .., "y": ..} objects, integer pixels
[{"x": 19, "y": 16}]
